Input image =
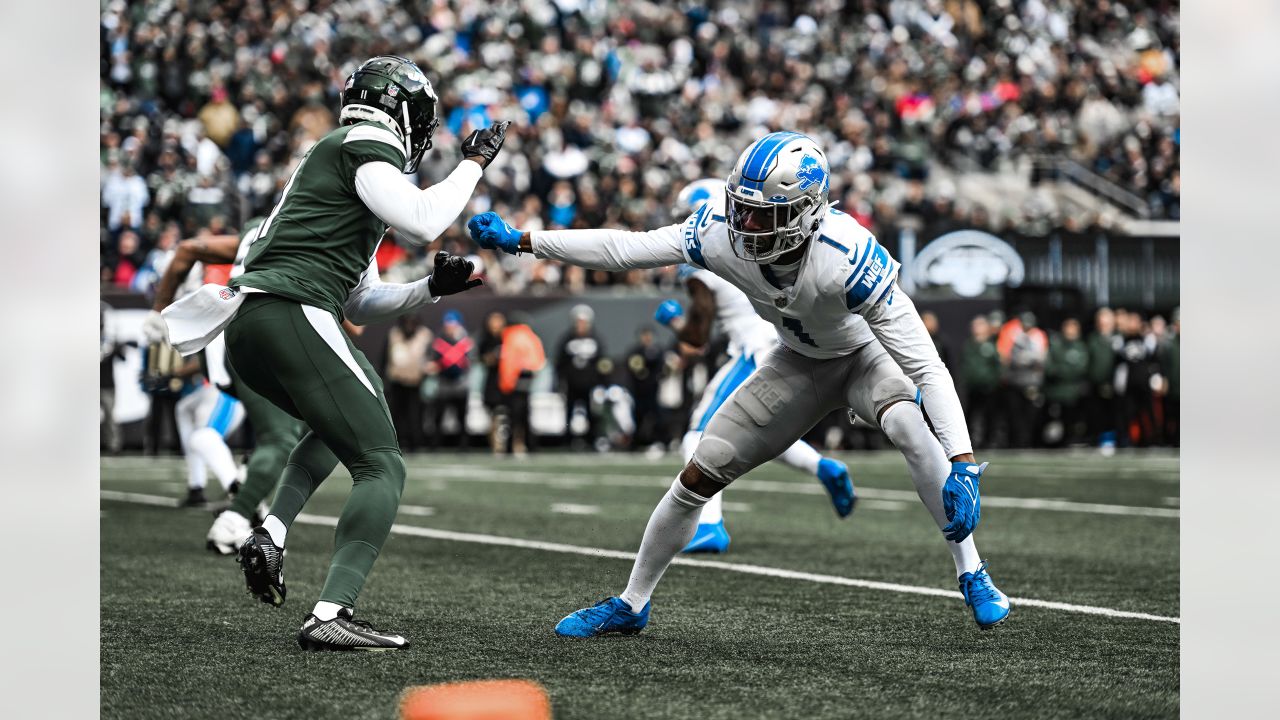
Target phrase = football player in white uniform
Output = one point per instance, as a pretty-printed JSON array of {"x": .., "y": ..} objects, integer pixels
[
  {"x": 716, "y": 301},
  {"x": 849, "y": 338}
]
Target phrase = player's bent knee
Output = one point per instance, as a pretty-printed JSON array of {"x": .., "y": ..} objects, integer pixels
[
  {"x": 697, "y": 480},
  {"x": 890, "y": 391}
]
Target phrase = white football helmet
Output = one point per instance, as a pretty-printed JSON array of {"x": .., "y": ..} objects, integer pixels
[
  {"x": 776, "y": 196},
  {"x": 693, "y": 195}
]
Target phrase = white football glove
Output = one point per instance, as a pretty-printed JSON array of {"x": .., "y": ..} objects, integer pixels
[{"x": 154, "y": 329}]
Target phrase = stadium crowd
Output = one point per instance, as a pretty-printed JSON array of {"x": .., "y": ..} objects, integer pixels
[{"x": 206, "y": 106}]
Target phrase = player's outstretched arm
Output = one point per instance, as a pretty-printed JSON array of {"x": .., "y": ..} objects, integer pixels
[
  {"x": 212, "y": 249},
  {"x": 597, "y": 249},
  {"x": 374, "y": 301},
  {"x": 420, "y": 216}
]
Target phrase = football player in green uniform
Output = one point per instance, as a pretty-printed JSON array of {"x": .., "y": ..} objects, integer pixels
[{"x": 309, "y": 266}]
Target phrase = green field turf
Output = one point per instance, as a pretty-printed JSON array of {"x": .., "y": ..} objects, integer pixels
[{"x": 181, "y": 638}]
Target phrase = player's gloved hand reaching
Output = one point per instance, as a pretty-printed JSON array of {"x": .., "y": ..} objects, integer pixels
[
  {"x": 960, "y": 500},
  {"x": 483, "y": 144},
  {"x": 452, "y": 275},
  {"x": 491, "y": 232},
  {"x": 669, "y": 310},
  {"x": 154, "y": 329}
]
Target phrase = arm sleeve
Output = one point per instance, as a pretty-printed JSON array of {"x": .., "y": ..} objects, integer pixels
[
  {"x": 898, "y": 328},
  {"x": 417, "y": 215},
  {"x": 611, "y": 249},
  {"x": 374, "y": 301}
]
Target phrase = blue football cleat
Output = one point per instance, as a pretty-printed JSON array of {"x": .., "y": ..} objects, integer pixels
[
  {"x": 709, "y": 538},
  {"x": 990, "y": 606},
  {"x": 835, "y": 478},
  {"x": 612, "y": 615}
]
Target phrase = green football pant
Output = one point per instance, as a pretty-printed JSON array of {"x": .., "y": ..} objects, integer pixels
[
  {"x": 275, "y": 434},
  {"x": 299, "y": 358}
]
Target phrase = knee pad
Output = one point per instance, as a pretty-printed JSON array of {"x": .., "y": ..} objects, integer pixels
[
  {"x": 891, "y": 390},
  {"x": 713, "y": 456}
]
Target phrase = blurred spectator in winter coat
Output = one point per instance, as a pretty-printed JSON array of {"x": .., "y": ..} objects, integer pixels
[
  {"x": 644, "y": 369},
  {"x": 980, "y": 372},
  {"x": 1023, "y": 349},
  {"x": 578, "y": 370},
  {"x": 450, "y": 364},
  {"x": 930, "y": 321},
  {"x": 522, "y": 356},
  {"x": 406, "y": 363},
  {"x": 1104, "y": 343},
  {"x": 1067, "y": 380}
]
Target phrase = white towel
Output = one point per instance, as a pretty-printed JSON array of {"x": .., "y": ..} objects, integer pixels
[{"x": 195, "y": 320}]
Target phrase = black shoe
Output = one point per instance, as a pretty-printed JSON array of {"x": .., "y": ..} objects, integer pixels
[
  {"x": 195, "y": 498},
  {"x": 346, "y": 633},
  {"x": 263, "y": 566}
]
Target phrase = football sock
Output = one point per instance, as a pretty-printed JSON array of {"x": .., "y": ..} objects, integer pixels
[
  {"x": 209, "y": 445},
  {"x": 309, "y": 464},
  {"x": 197, "y": 473},
  {"x": 713, "y": 511},
  {"x": 670, "y": 528},
  {"x": 377, "y": 482},
  {"x": 263, "y": 473},
  {"x": 325, "y": 611},
  {"x": 275, "y": 529},
  {"x": 802, "y": 457},
  {"x": 905, "y": 426}
]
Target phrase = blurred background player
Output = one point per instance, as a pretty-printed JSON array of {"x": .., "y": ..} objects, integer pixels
[
  {"x": 275, "y": 432},
  {"x": 714, "y": 301}
]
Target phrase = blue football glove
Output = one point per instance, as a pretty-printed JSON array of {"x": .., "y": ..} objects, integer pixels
[
  {"x": 491, "y": 232},
  {"x": 960, "y": 500},
  {"x": 669, "y": 310}
]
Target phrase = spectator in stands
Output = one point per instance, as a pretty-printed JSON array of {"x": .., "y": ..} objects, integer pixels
[
  {"x": 1104, "y": 344},
  {"x": 1067, "y": 380},
  {"x": 522, "y": 356},
  {"x": 125, "y": 196},
  {"x": 578, "y": 371},
  {"x": 644, "y": 366},
  {"x": 405, "y": 367},
  {"x": 980, "y": 373},
  {"x": 451, "y": 365},
  {"x": 1023, "y": 348}
]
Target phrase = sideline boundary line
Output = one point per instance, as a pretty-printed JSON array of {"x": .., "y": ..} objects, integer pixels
[{"x": 500, "y": 541}]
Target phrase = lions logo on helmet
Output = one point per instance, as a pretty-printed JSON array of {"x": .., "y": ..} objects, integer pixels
[{"x": 776, "y": 196}]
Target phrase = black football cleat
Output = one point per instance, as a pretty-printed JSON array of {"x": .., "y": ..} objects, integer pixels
[
  {"x": 346, "y": 633},
  {"x": 263, "y": 566},
  {"x": 195, "y": 498}
]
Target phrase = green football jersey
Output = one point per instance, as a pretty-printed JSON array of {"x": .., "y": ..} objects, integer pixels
[{"x": 320, "y": 237}]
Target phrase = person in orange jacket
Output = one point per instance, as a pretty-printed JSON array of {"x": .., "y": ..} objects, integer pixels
[{"x": 522, "y": 355}]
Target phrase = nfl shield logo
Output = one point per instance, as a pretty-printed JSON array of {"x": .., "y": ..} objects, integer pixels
[
  {"x": 780, "y": 301},
  {"x": 392, "y": 90},
  {"x": 226, "y": 293}
]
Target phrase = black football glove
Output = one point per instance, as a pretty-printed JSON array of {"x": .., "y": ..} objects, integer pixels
[
  {"x": 452, "y": 275},
  {"x": 483, "y": 145}
]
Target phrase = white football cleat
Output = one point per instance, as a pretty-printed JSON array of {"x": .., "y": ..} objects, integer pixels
[{"x": 229, "y": 531}]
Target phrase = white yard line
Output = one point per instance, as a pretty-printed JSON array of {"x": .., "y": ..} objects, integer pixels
[
  {"x": 479, "y": 539},
  {"x": 555, "y": 478}
]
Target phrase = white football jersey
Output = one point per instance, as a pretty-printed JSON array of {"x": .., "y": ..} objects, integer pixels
[
  {"x": 843, "y": 271},
  {"x": 749, "y": 334}
]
